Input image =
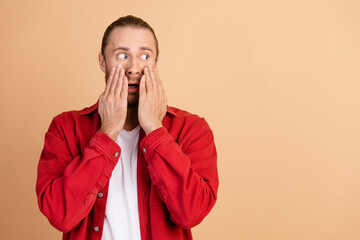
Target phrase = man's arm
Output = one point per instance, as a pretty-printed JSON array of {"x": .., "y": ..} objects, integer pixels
[
  {"x": 67, "y": 185},
  {"x": 113, "y": 103},
  {"x": 152, "y": 100},
  {"x": 186, "y": 176}
]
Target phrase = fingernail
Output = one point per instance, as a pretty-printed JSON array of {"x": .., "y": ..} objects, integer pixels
[
  {"x": 150, "y": 66},
  {"x": 118, "y": 66}
]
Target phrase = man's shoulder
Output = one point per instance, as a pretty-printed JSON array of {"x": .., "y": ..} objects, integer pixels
[
  {"x": 75, "y": 115},
  {"x": 186, "y": 118},
  {"x": 180, "y": 113},
  {"x": 186, "y": 127}
]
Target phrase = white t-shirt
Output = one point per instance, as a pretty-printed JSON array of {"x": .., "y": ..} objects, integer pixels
[{"x": 122, "y": 211}]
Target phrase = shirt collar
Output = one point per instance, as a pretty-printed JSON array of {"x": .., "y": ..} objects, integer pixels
[{"x": 94, "y": 108}]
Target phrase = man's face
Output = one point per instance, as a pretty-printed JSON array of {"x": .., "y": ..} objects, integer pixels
[{"x": 134, "y": 49}]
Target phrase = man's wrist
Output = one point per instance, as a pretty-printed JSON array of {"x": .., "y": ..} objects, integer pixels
[
  {"x": 111, "y": 134},
  {"x": 150, "y": 129}
]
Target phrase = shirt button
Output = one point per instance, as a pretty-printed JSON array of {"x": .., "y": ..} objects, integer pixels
[
  {"x": 144, "y": 149},
  {"x": 116, "y": 154},
  {"x": 100, "y": 194},
  {"x": 96, "y": 229}
]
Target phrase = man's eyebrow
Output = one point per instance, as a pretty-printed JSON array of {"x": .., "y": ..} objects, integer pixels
[
  {"x": 120, "y": 48},
  {"x": 146, "y": 48},
  {"x": 127, "y": 49}
]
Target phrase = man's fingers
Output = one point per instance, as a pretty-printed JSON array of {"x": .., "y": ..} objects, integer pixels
[
  {"x": 142, "y": 86},
  {"x": 124, "y": 89},
  {"x": 161, "y": 87},
  {"x": 153, "y": 78},
  {"x": 109, "y": 81},
  {"x": 148, "y": 82},
  {"x": 115, "y": 80},
  {"x": 119, "y": 83}
]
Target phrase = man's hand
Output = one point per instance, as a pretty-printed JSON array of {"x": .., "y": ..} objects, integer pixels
[
  {"x": 113, "y": 103},
  {"x": 152, "y": 100}
]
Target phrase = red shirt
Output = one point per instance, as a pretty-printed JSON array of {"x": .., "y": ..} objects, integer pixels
[{"x": 176, "y": 175}]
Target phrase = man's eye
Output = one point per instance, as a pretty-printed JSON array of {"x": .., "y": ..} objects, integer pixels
[
  {"x": 144, "y": 57},
  {"x": 122, "y": 56}
]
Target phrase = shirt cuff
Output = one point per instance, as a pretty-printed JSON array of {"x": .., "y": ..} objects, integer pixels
[
  {"x": 154, "y": 139},
  {"x": 106, "y": 146}
]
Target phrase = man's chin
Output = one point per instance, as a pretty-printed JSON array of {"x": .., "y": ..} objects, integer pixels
[{"x": 133, "y": 101}]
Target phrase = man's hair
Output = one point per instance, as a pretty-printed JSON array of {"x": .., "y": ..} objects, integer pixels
[{"x": 127, "y": 21}]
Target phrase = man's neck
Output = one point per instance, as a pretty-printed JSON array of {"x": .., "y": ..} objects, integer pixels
[{"x": 131, "y": 119}]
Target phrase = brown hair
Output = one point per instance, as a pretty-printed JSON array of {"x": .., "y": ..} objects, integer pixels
[{"x": 127, "y": 21}]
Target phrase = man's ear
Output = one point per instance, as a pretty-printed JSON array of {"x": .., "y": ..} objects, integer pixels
[{"x": 102, "y": 63}]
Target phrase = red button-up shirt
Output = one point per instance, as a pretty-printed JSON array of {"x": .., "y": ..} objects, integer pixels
[{"x": 177, "y": 177}]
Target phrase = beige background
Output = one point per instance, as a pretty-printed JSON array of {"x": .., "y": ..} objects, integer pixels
[{"x": 278, "y": 81}]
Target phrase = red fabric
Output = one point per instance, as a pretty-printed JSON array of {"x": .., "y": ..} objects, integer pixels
[{"x": 177, "y": 175}]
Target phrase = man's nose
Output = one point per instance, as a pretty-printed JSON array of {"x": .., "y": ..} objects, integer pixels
[{"x": 133, "y": 67}]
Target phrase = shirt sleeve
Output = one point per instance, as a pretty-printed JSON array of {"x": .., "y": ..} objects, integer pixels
[
  {"x": 185, "y": 175},
  {"x": 67, "y": 185}
]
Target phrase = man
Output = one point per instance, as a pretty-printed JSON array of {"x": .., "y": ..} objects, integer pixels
[{"x": 128, "y": 167}]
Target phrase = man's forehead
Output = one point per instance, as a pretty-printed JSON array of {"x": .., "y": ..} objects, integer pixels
[{"x": 131, "y": 37}]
